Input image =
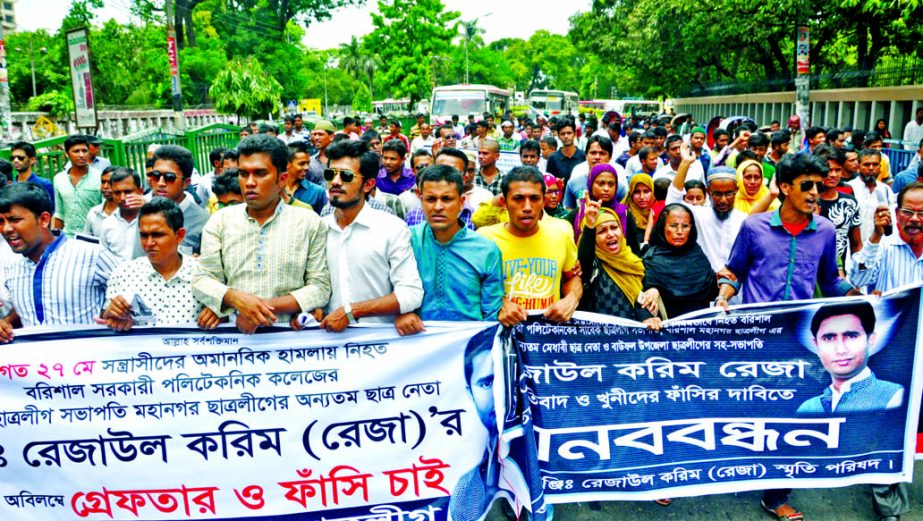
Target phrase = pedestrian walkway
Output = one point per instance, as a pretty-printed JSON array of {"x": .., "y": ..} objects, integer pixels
[{"x": 833, "y": 504}]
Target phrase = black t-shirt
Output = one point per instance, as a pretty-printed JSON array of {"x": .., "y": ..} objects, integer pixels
[
  {"x": 561, "y": 166},
  {"x": 844, "y": 214}
]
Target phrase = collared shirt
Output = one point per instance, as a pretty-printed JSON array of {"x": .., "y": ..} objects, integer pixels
[
  {"x": 716, "y": 236},
  {"x": 372, "y": 258},
  {"x": 887, "y": 265},
  {"x": 289, "y": 139},
  {"x": 869, "y": 202},
  {"x": 73, "y": 203},
  {"x": 286, "y": 255},
  {"x": 311, "y": 194},
  {"x": 44, "y": 183},
  {"x": 405, "y": 182},
  {"x": 846, "y": 386},
  {"x": 462, "y": 279},
  {"x": 774, "y": 265},
  {"x": 415, "y": 216},
  {"x": 508, "y": 145},
  {"x": 418, "y": 143},
  {"x": 494, "y": 186},
  {"x": 194, "y": 219},
  {"x": 316, "y": 171},
  {"x": 66, "y": 286},
  {"x": 95, "y": 218},
  {"x": 561, "y": 166},
  {"x": 169, "y": 301},
  {"x": 119, "y": 236},
  {"x": 371, "y": 202}
]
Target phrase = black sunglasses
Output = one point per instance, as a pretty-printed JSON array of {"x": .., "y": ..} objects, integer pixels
[
  {"x": 19, "y": 158},
  {"x": 345, "y": 175},
  {"x": 805, "y": 186},
  {"x": 169, "y": 177}
]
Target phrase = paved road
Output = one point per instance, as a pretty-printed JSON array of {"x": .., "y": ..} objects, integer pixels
[{"x": 839, "y": 504}]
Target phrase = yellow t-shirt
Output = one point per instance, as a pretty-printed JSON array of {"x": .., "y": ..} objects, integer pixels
[{"x": 533, "y": 266}]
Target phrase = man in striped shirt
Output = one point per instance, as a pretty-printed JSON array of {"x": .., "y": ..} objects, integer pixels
[
  {"x": 889, "y": 262},
  {"x": 57, "y": 280},
  {"x": 266, "y": 260}
]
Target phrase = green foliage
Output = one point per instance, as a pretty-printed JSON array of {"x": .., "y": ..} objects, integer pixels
[
  {"x": 408, "y": 35},
  {"x": 362, "y": 100},
  {"x": 244, "y": 89},
  {"x": 56, "y": 103}
]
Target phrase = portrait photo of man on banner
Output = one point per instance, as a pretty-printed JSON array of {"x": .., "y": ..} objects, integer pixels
[{"x": 844, "y": 339}]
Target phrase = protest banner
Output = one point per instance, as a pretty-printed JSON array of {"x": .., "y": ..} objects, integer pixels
[
  {"x": 608, "y": 410},
  {"x": 181, "y": 423}
]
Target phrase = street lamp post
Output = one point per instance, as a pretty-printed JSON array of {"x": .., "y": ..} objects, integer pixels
[
  {"x": 32, "y": 64},
  {"x": 469, "y": 27}
]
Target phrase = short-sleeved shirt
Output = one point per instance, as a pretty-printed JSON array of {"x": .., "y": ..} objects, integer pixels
[
  {"x": 533, "y": 267},
  {"x": 844, "y": 214},
  {"x": 561, "y": 166},
  {"x": 170, "y": 302},
  {"x": 44, "y": 183},
  {"x": 405, "y": 182},
  {"x": 73, "y": 202}
]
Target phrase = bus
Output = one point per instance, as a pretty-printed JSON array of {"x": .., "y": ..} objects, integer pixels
[
  {"x": 464, "y": 100},
  {"x": 554, "y": 102},
  {"x": 625, "y": 107},
  {"x": 391, "y": 107}
]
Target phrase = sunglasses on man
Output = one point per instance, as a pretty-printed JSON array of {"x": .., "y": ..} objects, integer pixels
[{"x": 169, "y": 177}]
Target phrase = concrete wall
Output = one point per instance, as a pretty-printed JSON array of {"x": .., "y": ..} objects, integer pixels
[{"x": 859, "y": 108}]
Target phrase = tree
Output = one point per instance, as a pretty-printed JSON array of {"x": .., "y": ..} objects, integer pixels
[
  {"x": 362, "y": 100},
  {"x": 356, "y": 58},
  {"x": 242, "y": 88},
  {"x": 407, "y": 34}
]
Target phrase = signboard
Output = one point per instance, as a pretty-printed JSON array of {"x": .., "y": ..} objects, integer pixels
[
  {"x": 802, "y": 51},
  {"x": 78, "y": 49}
]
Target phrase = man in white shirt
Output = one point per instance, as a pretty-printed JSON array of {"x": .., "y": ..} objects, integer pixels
[
  {"x": 869, "y": 193},
  {"x": 373, "y": 272},
  {"x": 598, "y": 151},
  {"x": 634, "y": 166},
  {"x": 119, "y": 231},
  {"x": 674, "y": 145},
  {"x": 425, "y": 139},
  {"x": 913, "y": 132},
  {"x": 719, "y": 223},
  {"x": 156, "y": 289}
]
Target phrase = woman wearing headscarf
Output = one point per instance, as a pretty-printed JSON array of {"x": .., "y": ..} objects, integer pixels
[
  {"x": 601, "y": 186},
  {"x": 613, "y": 280},
  {"x": 676, "y": 265},
  {"x": 640, "y": 200},
  {"x": 554, "y": 191},
  {"x": 750, "y": 187}
]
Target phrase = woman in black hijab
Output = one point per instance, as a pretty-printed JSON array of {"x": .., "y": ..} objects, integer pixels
[{"x": 676, "y": 265}]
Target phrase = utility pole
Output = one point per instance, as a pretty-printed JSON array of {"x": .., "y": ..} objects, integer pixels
[
  {"x": 6, "y": 115},
  {"x": 173, "y": 55},
  {"x": 803, "y": 75}
]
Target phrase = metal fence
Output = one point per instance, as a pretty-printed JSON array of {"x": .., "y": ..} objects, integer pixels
[{"x": 132, "y": 151}]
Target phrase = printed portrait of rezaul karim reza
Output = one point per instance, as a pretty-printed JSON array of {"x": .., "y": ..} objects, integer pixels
[{"x": 844, "y": 338}]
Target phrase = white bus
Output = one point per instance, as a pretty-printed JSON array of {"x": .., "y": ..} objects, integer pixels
[
  {"x": 463, "y": 100},
  {"x": 389, "y": 107},
  {"x": 625, "y": 107},
  {"x": 554, "y": 102}
]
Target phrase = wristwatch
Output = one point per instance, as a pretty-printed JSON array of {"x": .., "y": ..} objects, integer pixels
[{"x": 348, "y": 309}]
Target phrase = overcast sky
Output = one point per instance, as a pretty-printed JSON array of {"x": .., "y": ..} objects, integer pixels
[{"x": 504, "y": 19}]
